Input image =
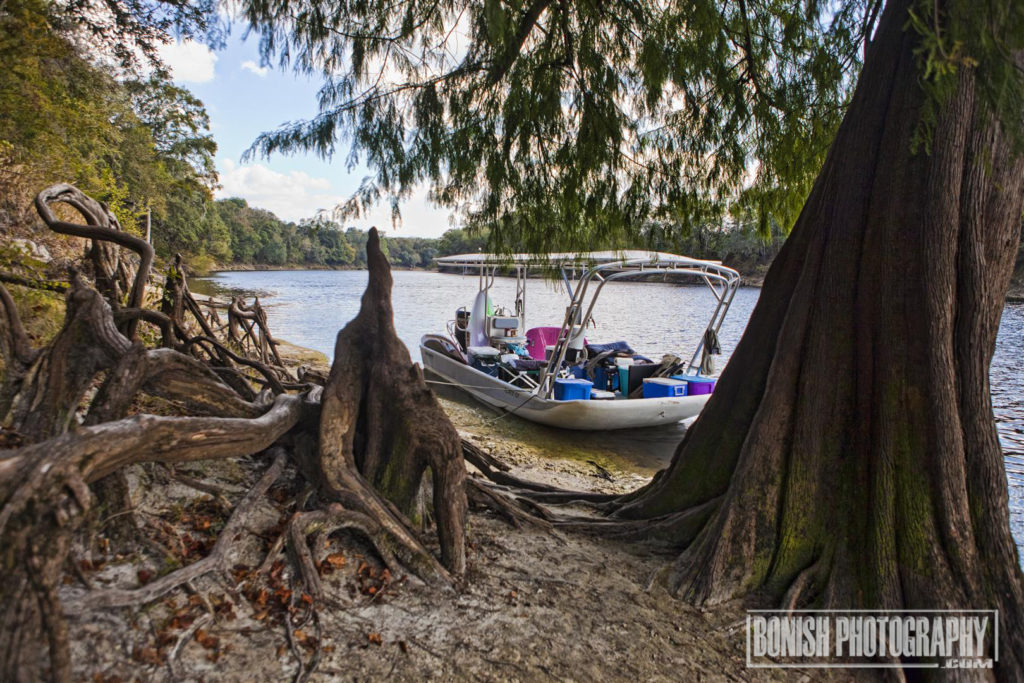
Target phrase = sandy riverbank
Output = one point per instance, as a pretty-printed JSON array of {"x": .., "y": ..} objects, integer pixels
[{"x": 534, "y": 605}]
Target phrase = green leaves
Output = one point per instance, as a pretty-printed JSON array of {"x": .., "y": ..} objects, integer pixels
[
  {"x": 956, "y": 35},
  {"x": 562, "y": 124},
  {"x": 68, "y": 116}
]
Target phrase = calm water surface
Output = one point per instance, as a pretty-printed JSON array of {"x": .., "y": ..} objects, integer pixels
[{"x": 309, "y": 307}]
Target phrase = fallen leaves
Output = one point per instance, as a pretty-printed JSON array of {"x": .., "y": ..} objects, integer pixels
[
  {"x": 305, "y": 640},
  {"x": 372, "y": 580},
  {"x": 270, "y": 597},
  {"x": 148, "y": 655},
  {"x": 332, "y": 562},
  {"x": 207, "y": 641}
]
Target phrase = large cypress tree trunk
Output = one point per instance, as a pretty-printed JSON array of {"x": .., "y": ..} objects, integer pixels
[{"x": 849, "y": 456}]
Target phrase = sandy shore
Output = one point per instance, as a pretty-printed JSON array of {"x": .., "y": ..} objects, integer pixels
[{"x": 534, "y": 605}]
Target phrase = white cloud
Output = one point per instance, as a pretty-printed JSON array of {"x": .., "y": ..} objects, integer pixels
[
  {"x": 249, "y": 65},
  {"x": 189, "y": 61},
  {"x": 295, "y": 195},
  {"x": 291, "y": 196}
]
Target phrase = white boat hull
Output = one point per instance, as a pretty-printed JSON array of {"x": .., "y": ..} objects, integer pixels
[{"x": 583, "y": 415}]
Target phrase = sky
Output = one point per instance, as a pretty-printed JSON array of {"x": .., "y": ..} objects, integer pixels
[{"x": 243, "y": 100}]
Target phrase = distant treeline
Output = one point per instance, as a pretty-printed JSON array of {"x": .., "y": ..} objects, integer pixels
[{"x": 238, "y": 234}]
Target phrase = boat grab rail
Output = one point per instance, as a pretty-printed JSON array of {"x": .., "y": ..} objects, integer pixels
[{"x": 712, "y": 273}]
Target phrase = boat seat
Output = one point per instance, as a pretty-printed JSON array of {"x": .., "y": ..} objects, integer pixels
[
  {"x": 505, "y": 323},
  {"x": 611, "y": 347},
  {"x": 539, "y": 338}
]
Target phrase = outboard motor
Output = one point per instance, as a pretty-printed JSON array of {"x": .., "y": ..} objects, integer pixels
[{"x": 478, "y": 320}]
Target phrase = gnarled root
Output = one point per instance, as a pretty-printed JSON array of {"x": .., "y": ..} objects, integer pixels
[
  {"x": 215, "y": 561},
  {"x": 381, "y": 428}
]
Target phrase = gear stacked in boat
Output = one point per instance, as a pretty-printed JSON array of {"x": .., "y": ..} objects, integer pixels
[{"x": 554, "y": 374}]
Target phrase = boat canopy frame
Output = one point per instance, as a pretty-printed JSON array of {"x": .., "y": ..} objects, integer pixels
[{"x": 602, "y": 268}]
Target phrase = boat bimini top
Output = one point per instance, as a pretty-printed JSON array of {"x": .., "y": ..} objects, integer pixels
[{"x": 585, "y": 274}]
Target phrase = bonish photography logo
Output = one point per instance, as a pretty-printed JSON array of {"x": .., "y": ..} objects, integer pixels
[{"x": 834, "y": 639}]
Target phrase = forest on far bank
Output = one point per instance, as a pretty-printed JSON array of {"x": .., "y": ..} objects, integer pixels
[{"x": 242, "y": 235}]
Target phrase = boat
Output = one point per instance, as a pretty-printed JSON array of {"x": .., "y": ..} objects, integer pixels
[{"x": 554, "y": 375}]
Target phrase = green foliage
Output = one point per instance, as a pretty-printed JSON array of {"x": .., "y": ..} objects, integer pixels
[
  {"x": 559, "y": 124},
  {"x": 62, "y": 118},
  {"x": 959, "y": 35},
  {"x": 738, "y": 244},
  {"x": 130, "y": 31},
  {"x": 257, "y": 236},
  {"x": 137, "y": 145},
  {"x": 461, "y": 241}
]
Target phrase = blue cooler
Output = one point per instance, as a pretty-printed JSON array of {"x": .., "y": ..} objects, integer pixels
[
  {"x": 572, "y": 389},
  {"x": 663, "y": 387},
  {"x": 695, "y": 385}
]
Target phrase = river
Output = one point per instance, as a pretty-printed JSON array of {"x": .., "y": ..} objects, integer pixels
[{"x": 309, "y": 307}]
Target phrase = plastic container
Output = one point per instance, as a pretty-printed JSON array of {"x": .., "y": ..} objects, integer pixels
[
  {"x": 696, "y": 386},
  {"x": 606, "y": 379},
  {"x": 572, "y": 389},
  {"x": 598, "y": 395},
  {"x": 663, "y": 387}
]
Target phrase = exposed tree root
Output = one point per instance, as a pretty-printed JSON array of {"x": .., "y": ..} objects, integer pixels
[
  {"x": 46, "y": 285},
  {"x": 216, "y": 560},
  {"x": 381, "y": 428},
  {"x": 184, "y": 638},
  {"x": 364, "y": 452},
  {"x": 496, "y": 471},
  {"x": 252, "y": 321},
  {"x": 43, "y": 398},
  {"x": 485, "y": 496},
  {"x": 325, "y": 522},
  {"x": 102, "y": 229}
]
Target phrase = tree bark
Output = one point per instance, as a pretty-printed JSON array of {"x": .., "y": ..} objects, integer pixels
[
  {"x": 851, "y": 439},
  {"x": 381, "y": 422},
  {"x": 44, "y": 398}
]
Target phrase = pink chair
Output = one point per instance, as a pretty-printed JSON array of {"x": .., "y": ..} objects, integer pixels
[{"x": 539, "y": 338}]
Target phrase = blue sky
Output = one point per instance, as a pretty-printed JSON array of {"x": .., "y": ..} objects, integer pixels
[{"x": 244, "y": 100}]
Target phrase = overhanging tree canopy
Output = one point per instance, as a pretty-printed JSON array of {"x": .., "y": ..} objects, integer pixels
[{"x": 590, "y": 116}]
